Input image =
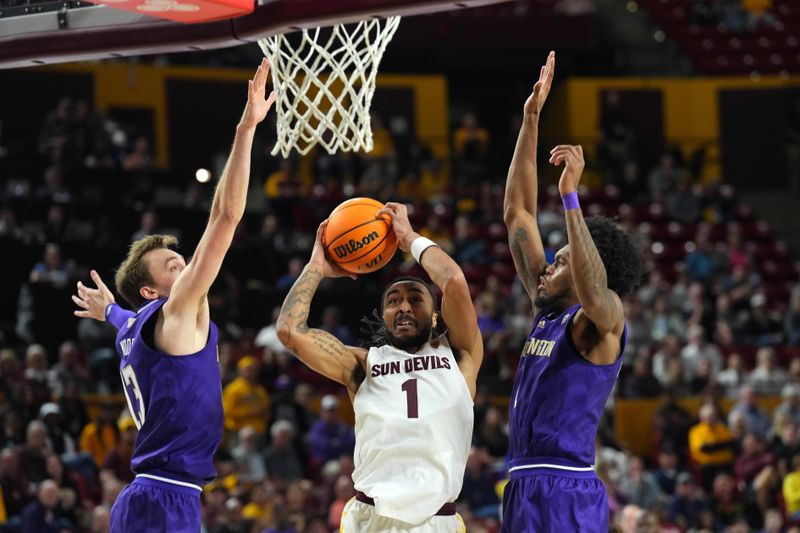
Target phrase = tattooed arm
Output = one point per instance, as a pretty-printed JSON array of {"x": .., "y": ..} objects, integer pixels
[
  {"x": 519, "y": 206},
  {"x": 458, "y": 311},
  {"x": 318, "y": 349},
  {"x": 600, "y": 304}
]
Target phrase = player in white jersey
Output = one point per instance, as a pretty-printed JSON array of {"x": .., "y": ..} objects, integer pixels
[{"x": 411, "y": 391}]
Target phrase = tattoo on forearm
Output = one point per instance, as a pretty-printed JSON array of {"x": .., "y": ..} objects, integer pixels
[
  {"x": 329, "y": 344},
  {"x": 297, "y": 305},
  {"x": 587, "y": 266},
  {"x": 294, "y": 314},
  {"x": 520, "y": 236}
]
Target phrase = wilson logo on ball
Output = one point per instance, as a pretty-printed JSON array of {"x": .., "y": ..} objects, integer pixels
[
  {"x": 357, "y": 239},
  {"x": 352, "y": 246}
]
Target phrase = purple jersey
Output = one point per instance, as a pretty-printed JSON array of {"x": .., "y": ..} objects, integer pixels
[
  {"x": 558, "y": 396},
  {"x": 175, "y": 401}
]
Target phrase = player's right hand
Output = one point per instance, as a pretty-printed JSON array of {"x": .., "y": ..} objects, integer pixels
[
  {"x": 535, "y": 102},
  {"x": 321, "y": 260},
  {"x": 257, "y": 105},
  {"x": 93, "y": 302}
]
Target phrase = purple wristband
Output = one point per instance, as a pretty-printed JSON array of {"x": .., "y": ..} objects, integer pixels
[
  {"x": 571, "y": 201},
  {"x": 117, "y": 316}
]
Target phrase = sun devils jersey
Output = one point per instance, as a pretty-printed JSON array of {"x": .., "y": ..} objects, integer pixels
[{"x": 414, "y": 420}]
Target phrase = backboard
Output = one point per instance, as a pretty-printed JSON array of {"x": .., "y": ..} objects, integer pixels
[{"x": 46, "y": 32}]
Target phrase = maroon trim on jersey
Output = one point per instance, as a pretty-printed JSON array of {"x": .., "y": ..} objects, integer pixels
[{"x": 448, "y": 509}]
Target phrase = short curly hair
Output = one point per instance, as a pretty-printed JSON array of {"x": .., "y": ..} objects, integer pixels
[{"x": 620, "y": 255}]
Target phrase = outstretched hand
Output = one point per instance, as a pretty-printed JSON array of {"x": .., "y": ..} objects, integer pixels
[
  {"x": 572, "y": 158},
  {"x": 400, "y": 223},
  {"x": 535, "y": 102},
  {"x": 93, "y": 302},
  {"x": 320, "y": 258},
  {"x": 257, "y": 106}
]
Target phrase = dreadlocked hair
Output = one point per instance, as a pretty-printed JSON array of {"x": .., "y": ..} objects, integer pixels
[
  {"x": 620, "y": 256},
  {"x": 373, "y": 329}
]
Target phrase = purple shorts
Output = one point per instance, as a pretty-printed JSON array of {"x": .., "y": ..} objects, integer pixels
[
  {"x": 549, "y": 500},
  {"x": 148, "y": 505}
]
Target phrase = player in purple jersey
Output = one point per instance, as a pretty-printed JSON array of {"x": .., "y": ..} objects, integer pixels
[
  {"x": 168, "y": 349},
  {"x": 573, "y": 354}
]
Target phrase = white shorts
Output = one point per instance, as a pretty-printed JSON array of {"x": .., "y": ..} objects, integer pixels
[{"x": 360, "y": 517}]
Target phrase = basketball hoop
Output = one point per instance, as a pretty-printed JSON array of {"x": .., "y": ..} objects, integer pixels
[{"x": 325, "y": 84}]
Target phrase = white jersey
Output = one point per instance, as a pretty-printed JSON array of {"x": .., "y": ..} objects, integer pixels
[{"x": 414, "y": 418}]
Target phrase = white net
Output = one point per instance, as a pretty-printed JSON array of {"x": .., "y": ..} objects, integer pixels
[{"x": 325, "y": 83}]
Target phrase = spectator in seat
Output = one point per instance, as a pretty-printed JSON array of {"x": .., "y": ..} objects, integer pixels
[
  {"x": 668, "y": 365},
  {"x": 490, "y": 434},
  {"x": 101, "y": 436},
  {"x": 711, "y": 445},
  {"x": 704, "y": 381},
  {"x": 639, "y": 486},
  {"x": 697, "y": 349},
  {"x": 68, "y": 369},
  {"x": 36, "y": 375},
  {"x": 754, "y": 469},
  {"x": 118, "y": 460},
  {"x": 641, "y": 383},
  {"x": 785, "y": 446},
  {"x": 246, "y": 401},
  {"x": 343, "y": 491},
  {"x": 470, "y": 147},
  {"x": 332, "y": 323},
  {"x": 726, "y": 500},
  {"x": 762, "y": 327},
  {"x": 733, "y": 377},
  {"x": 788, "y": 411},
  {"x": 667, "y": 472},
  {"x": 33, "y": 454},
  {"x": 283, "y": 463},
  {"x": 701, "y": 263},
  {"x": 249, "y": 458},
  {"x": 61, "y": 442},
  {"x": 14, "y": 488},
  {"x": 329, "y": 437},
  {"x": 672, "y": 423},
  {"x": 767, "y": 378},
  {"x": 41, "y": 515},
  {"x": 791, "y": 491},
  {"x": 687, "y": 505},
  {"x": 756, "y": 419}
]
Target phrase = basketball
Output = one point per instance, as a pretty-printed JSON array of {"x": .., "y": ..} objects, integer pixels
[{"x": 356, "y": 240}]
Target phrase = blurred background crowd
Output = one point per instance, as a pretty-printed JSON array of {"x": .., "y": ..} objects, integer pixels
[{"x": 713, "y": 354}]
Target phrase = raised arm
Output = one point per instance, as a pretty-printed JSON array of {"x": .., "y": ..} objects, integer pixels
[
  {"x": 318, "y": 349},
  {"x": 519, "y": 206},
  {"x": 457, "y": 309},
  {"x": 228, "y": 205},
  {"x": 600, "y": 304}
]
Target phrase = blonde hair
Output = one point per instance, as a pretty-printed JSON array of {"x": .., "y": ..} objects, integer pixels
[{"x": 133, "y": 273}]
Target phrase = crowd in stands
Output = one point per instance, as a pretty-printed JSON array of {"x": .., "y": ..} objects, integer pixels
[{"x": 702, "y": 324}]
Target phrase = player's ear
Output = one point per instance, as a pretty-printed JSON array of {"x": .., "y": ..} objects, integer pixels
[{"x": 148, "y": 294}]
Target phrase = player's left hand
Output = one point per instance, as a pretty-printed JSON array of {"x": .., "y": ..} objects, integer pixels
[
  {"x": 400, "y": 223},
  {"x": 320, "y": 258},
  {"x": 93, "y": 301},
  {"x": 572, "y": 158},
  {"x": 257, "y": 106}
]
